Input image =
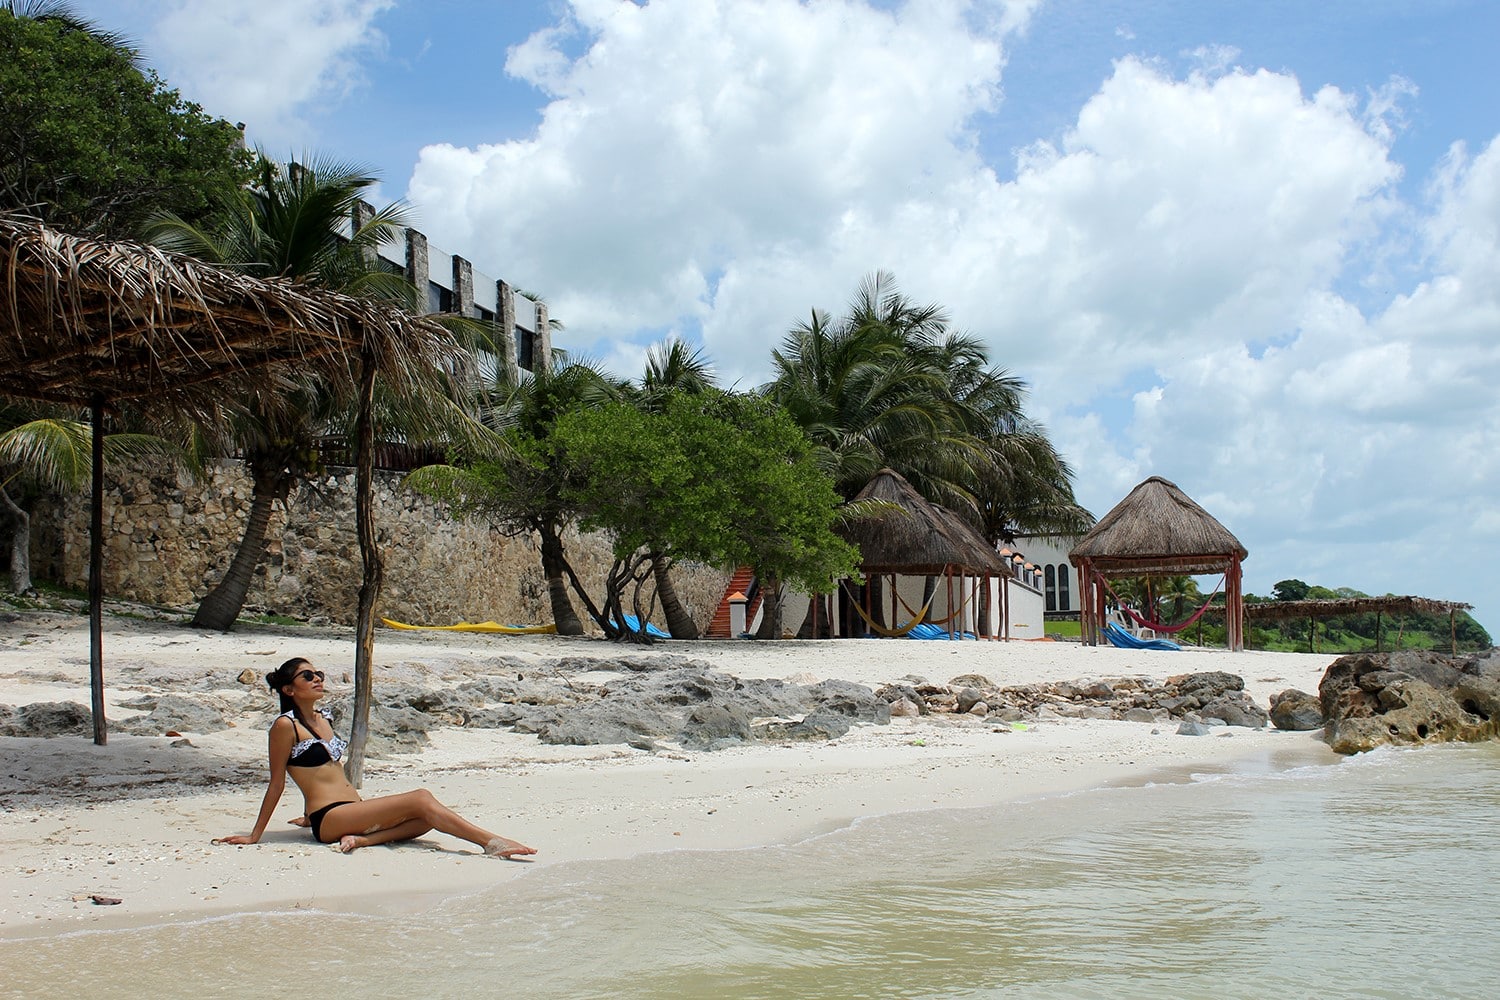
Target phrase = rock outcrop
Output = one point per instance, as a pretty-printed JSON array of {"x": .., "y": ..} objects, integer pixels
[
  {"x": 1214, "y": 695},
  {"x": 649, "y": 700},
  {"x": 1407, "y": 698},
  {"x": 46, "y": 718},
  {"x": 1296, "y": 711}
]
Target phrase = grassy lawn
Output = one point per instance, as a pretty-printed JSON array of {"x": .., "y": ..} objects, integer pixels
[{"x": 1065, "y": 630}]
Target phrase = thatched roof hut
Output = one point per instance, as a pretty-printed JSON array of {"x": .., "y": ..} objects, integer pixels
[
  {"x": 93, "y": 323},
  {"x": 1158, "y": 530},
  {"x": 917, "y": 538},
  {"x": 920, "y": 539},
  {"x": 83, "y": 319}
]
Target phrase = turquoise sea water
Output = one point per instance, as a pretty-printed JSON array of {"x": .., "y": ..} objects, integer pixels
[{"x": 1376, "y": 877}]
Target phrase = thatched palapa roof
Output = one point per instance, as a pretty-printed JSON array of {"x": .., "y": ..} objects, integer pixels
[
  {"x": 1158, "y": 529},
  {"x": 1334, "y": 607},
  {"x": 81, "y": 318},
  {"x": 92, "y": 323},
  {"x": 921, "y": 539}
]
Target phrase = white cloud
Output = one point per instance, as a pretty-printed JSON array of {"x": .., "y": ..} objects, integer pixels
[
  {"x": 694, "y": 139},
  {"x": 1176, "y": 275},
  {"x": 269, "y": 63}
]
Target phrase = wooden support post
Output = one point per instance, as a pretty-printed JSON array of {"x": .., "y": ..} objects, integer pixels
[
  {"x": 96, "y": 573},
  {"x": 373, "y": 569},
  {"x": 948, "y": 586}
]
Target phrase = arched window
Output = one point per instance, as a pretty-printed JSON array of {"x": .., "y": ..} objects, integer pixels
[
  {"x": 1063, "y": 603},
  {"x": 1051, "y": 580}
]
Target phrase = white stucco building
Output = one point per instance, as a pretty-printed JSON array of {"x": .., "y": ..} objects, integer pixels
[{"x": 1061, "y": 593}]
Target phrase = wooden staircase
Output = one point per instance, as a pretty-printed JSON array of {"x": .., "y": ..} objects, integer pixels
[{"x": 742, "y": 580}]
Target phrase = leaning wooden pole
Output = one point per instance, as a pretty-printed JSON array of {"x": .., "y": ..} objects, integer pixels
[
  {"x": 96, "y": 573},
  {"x": 373, "y": 570}
]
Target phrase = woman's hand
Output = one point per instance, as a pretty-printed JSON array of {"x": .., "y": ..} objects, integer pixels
[
  {"x": 238, "y": 838},
  {"x": 300, "y": 821}
]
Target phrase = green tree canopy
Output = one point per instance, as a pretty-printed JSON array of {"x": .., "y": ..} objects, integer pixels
[
  {"x": 719, "y": 478},
  {"x": 91, "y": 144}
]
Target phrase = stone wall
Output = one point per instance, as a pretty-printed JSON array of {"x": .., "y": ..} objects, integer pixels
[{"x": 168, "y": 540}]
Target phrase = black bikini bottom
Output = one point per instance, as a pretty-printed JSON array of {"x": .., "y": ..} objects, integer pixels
[{"x": 315, "y": 819}]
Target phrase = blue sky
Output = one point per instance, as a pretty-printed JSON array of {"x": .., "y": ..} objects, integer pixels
[{"x": 1250, "y": 247}]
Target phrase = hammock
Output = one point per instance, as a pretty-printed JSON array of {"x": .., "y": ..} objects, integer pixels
[
  {"x": 633, "y": 623},
  {"x": 1158, "y": 626},
  {"x": 491, "y": 627},
  {"x": 951, "y": 614},
  {"x": 1124, "y": 640},
  {"x": 889, "y": 633}
]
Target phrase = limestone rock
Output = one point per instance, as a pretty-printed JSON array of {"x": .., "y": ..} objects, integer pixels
[
  {"x": 1296, "y": 711},
  {"x": 178, "y": 713},
  {"x": 1207, "y": 685},
  {"x": 968, "y": 697},
  {"x": 1235, "y": 711},
  {"x": 849, "y": 699},
  {"x": 708, "y": 725},
  {"x": 819, "y": 726},
  {"x": 1193, "y": 725},
  {"x": 905, "y": 708},
  {"x": 1409, "y": 697},
  {"x": 48, "y": 718}
]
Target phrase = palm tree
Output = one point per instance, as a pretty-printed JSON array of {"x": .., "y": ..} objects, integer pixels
[
  {"x": 304, "y": 222},
  {"x": 888, "y": 384},
  {"x": 63, "y": 14},
  {"x": 1176, "y": 593},
  {"x": 51, "y": 452}
]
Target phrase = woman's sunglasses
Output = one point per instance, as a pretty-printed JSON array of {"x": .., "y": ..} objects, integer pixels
[{"x": 308, "y": 675}]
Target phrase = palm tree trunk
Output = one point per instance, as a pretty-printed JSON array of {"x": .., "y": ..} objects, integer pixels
[
  {"x": 20, "y": 545},
  {"x": 220, "y": 608},
  {"x": 679, "y": 623},
  {"x": 553, "y": 562}
]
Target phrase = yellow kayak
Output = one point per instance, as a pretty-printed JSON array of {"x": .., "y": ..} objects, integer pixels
[{"x": 491, "y": 627}]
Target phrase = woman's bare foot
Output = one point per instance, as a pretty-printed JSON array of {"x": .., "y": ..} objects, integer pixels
[
  {"x": 508, "y": 849},
  {"x": 349, "y": 843}
]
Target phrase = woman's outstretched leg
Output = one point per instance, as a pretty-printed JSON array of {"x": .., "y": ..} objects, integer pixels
[
  {"x": 410, "y": 830},
  {"x": 408, "y": 815}
]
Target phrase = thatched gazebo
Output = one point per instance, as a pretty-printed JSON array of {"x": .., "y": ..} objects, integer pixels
[
  {"x": 1157, "y": 530},
  {"x": 921, "y": 539},
  {"x": 93, "y": 324}
]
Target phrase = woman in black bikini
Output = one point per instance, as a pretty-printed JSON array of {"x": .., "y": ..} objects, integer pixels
[{"x": 302, "y": 741}]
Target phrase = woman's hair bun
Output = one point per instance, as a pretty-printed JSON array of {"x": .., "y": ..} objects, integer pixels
[{"x": 282, "y": 675}]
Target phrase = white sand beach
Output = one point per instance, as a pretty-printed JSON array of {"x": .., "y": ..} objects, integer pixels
[{"x": 133, "y": 820}]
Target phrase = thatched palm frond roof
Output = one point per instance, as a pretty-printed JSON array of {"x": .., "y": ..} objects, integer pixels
[
  {"x": 1158, "y": 529},
  {"x": 81, "y": 318},
  {"x": 921, "y": 539},
  {"x": 1339, "y": 606}
]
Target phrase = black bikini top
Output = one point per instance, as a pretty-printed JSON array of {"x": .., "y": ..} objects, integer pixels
[{"x": 315, "y": 751}]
